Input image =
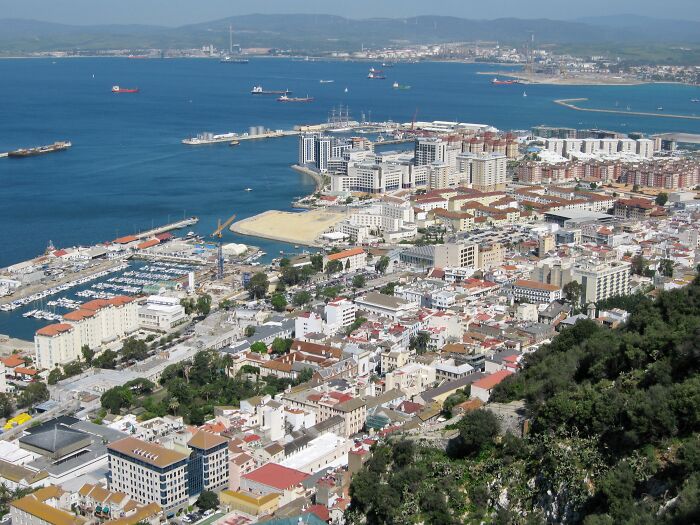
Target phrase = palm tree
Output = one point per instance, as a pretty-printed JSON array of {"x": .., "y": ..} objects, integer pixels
[{"x": 173, "y": 405}]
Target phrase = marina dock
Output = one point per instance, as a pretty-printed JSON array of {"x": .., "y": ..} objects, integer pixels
[
  {"x": 569, "y": 103},
  {"x": 184, "y": 223}
]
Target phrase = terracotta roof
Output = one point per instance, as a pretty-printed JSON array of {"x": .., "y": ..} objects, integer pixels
[
  {"x": 31, "y": 505},
  {"x": 126, "y": 239},
  {"x": 26, "y": 371},
  {"x": 491, "y": 380},
  {"x": 148, "y": 244},
  {"x": 12, "y": 361},
  {"x": 276, "y": 476},
  {"x": 524, "y": 283},
  {"x": 143, "y": 514},
  {"x": 78, "y": 315},
  {"x": 54, "y": 329},
  {"x": 347, "y": 253},
  {"x": 147, "y": 452},
  {"x": 204, "y": 440}
]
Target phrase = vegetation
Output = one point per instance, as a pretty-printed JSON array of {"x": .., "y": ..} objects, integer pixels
[
  {"x": 107, "y": 359},
  {"x": 6, "y": 407},
  {"x": 35, "y": 393},
  {"x": 249, "y": 331},
  {"x": 279, "y": 303},
  {"x": 388, "y": 289},
  {"x": 359, "y": 281},
  {"x": 301, "y": 298},
  {"x": 207, "y": 500},
  {"x": 661, "y": 199},
  {"x": 355, "y": 325},
  {"x": 334, "y": 267},
  {"x": 572, "y": 293},
  {"x": 258, "y": 285},
  {"x": 615, "y": 417},
  {"x": 382, "y": 264}
]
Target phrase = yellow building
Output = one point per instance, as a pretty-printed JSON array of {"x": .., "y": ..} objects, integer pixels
[{"x": 249, "y": 503}]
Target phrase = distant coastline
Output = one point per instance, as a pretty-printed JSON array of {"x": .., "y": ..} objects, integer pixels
[{"x": 572, "y": 81}]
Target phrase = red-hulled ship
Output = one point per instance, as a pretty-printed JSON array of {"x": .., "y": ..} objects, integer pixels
[
  {"x": 117, "y": 89},
  {"x": 504, "y": 82}
]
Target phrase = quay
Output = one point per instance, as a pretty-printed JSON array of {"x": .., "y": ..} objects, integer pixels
[
  {"x": 394, "y": 141},
  {"x": 318, "y": 177},
  {"x": 570, "y": 103},
  {"x": 184, "y": 223}
]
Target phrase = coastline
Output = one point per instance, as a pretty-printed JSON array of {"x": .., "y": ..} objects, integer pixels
[
  {"x": 557, "y": 81},
  {"x": 317, "y": 177}
]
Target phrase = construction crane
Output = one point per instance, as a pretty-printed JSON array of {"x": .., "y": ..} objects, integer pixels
[
  {"x": 413, "y": 122},
  {"x": 219, "y": 232}
]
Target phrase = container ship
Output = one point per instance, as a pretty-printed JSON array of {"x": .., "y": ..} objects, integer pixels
[
  {"x": 40, "y": 150},
  {"x": 258, "y": 90},
  {"x": 499, "y": 82},
  {"x": 285, "y": 98},
  {"x": 231, "y": 60},
  {"x": 210, "y": 138},
  {"x": 118, "y": 89}
]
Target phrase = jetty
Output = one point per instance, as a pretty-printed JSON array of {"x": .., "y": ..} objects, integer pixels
[{"x": 571, "y": 104}]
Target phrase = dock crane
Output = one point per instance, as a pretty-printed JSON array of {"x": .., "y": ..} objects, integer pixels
[
  {"x": 218, "y": 233},
  {"x": 221, "y": 227}
]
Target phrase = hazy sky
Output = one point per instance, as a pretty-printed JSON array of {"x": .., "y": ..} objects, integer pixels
[{"x": 178, "y": 12}]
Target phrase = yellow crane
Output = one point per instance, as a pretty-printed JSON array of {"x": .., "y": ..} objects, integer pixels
[{"x": 221, "y": 227}]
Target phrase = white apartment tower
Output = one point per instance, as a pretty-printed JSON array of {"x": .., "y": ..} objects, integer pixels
[{"x": 430, "y": 150}]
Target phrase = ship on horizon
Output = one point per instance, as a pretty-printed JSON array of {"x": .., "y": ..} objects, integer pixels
[
  {"x": 500, "y": 82},
  {"x": 285, "y": 98},
  {"x": 119, "y": 89},
  {"x": 375, "y": 74},
  {"x": 258, "y": 90}
]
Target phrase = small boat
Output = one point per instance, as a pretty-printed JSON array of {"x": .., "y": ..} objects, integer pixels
[
  {"x": 396, "y": 85},
  {"x": 326, "y": 81},
  {"x": 524, "y": 93},
  {"x": 660, "y": 108},
  {"x": 234, "y": 143},
  {"x": 695, "y": 100},
  {"x": 118, "y": 89},
  {"x": 346, "y": 90},
  {"x": 375, "y": 76},
  {"x": 248, "y": 189}
]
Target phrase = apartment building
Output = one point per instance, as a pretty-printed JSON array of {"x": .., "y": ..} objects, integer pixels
[
  {"x": 96, "y": 323},
  {"x": 535, "y": 291},
  {"x": 352, "y": 259},
  {"x": 600, "y": 280}
]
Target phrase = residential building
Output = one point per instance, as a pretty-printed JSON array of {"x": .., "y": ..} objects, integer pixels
[
  {"x": 161, "y": 313},
  {"x": 429, "y": 150},
  {"x": 535, "y": 291},
  {"x": 385, "y": 305},
  {"x": 340, "y": 312},
  {"x": 351, "y": 260},
  {"x": 482, "y": 388},
  {"x": 600, "y": 280}
]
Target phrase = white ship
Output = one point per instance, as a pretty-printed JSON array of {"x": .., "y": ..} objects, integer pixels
[{"x": 209, "y": 138}]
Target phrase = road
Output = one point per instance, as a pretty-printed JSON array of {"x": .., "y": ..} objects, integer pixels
[{"x": 61, "y": 410}]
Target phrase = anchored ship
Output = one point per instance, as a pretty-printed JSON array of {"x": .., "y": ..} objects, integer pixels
[
  {"x": 258, "y": 90},
  {"x": 285, "y": 98},
  {"x": 499, "y": 82},
  {"x": 40, "y": 150},
  {"x": 210, "y": 138},
  {"x": 117, "y": 89}
]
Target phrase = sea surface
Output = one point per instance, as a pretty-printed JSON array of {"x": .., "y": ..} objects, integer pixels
[{"x": 128, "y": 171}]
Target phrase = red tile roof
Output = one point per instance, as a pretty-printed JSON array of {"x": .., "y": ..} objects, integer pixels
[
  {"x": 54, "y": 329},
  {"x": 126, "y": 239},
  {"x": 347, "y": 253},
  {"x": 276, "y": 476},
  {"x": 148, "y": 244},
  {"x": 26, "y": 371},
  {"x": 12, "y": 361},
  {"x": 492, "y": 380}
]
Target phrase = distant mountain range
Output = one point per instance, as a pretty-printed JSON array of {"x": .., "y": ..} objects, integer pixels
[{"x": 317, "y": 33}]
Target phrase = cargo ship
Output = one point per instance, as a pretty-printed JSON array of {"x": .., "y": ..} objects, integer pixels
[
  {"x": 499, "y": 82},
  {"x": 375, "y": 76},
  {"x": 117, "y": 89},
  {"x": 396, "y": 85},
  {"x": 258, "y": 90},
  {"x": 285, "y": 98},
  {"x": 40, "y": 150},
  {"x": 210, "y": 138}
]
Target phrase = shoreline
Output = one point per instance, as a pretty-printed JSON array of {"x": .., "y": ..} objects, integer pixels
[
  {"x": 239, "y": 228},
  {"x": 567, "y": 103},
  {"x": 317, "y": 177},
  {"x": 554, "y": 81}
]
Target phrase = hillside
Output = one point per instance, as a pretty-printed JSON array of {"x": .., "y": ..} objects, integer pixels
[
  {"x": 317, "y": 33},
  {"x": 615, "y": 420}
]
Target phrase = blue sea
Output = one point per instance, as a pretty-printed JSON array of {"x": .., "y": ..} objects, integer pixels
[{"x": 128, "y": 171}]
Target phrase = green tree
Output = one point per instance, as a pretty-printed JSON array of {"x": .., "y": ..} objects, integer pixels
[
  {"x": 388, "y": 288},
  {"x": 117, "y": 398},
  {"x": 359, "y": 281},
  {"x": 661, "y": 199},
  {"x": 188, "y": 304},
  {"x": 54, "y": 376},
  {"x": 281, "y": 346},
  {"x": 666, "y": 267},
  {"x": 249, "y": 331},
  {"x": 73, "y": 368},
  {"x": 207, "y": 500},
  {"x": 204, "y": 304},
  {"x": 88, "y": 354},
  {"x": 134, "y": 349},
  {"x": 334, "y": 266},
  {"x": 301, "y": 298},
  {"x": 258, "y": 347},
  {"x": 419, "y": 343},
  {"x": 639, "y": 264},
  {"x": 317, "y": 262},
  {"x": 107, "y": 359},
  {"x": 454, "y": 399},
  {"x": 305, "y": 375},
  {"x": 284, "y": 262},
  {"x": 35, "y": 393},
  {"x": 476, "y": 430},
  {"x": 572, "y": 293},
  {"x": 258, "y": 285},
  {"x": 382, "y": 264},
  {"x": 279, "y": 303},
  {"x": 6, "y": 405}
]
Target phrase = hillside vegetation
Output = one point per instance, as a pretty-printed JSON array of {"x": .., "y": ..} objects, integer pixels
[{"x": 614, "y": 439}]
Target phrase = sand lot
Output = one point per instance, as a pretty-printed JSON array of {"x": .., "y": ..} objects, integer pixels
[{"x": 295, "y": 228}]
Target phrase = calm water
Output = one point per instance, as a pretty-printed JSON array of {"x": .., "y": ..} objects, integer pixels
[{"x": 128, "y": 171}]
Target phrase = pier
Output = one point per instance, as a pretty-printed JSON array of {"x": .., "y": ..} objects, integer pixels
[
  {"x": 184, "y": 223},
  {"x": 570, "y": 103}
]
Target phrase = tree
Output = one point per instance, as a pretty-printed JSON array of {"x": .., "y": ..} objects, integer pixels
[
  {"x": 279, "y": 303},
  {"x": 419, "y": 343},
  {"x": 258, "y": 347},
  {"x": 134, "y": 349},
  {"x": 107, "y": 359},
  {"x": 6, "y": 406},
  {"x": 476, "y": 430},
  {"x": 301, "y": 298},
  {"x": 249, "y": 331},
  {"x": 88, "y": 354},
  {"x": 281, "y": 346},
  {"x": 666, "y": 267},
  {"x": 572, "y": 292},
  {"x": 347, "y": 265},
  {"x": 358, "y": 281},
  {"x": 334, "y": 266},
  {"x": 35, "y": 393},
  {"x": 284, "y": 262},
  {"x": 382, "y": 264},
  {"x": 54, "y": 376},
  {"x": 317, "y": 262},
  {"x": 635, "y": 188},
  {"x": 258, "y": 285},
  {"x": 454, "y": 399},
  {"x": 204, "y": 304},
  {"x": 388, "y": 288},
  {"x": 207, "y": 500},
  {"x": 73, "y": 368},
  {"x": 117, "y": 398},
  {"x": 639, "y": 264},
  {"x": 305, "y": 375},
  {"x": 188, "y": 304},
  {"x": 661, "y": 199}
]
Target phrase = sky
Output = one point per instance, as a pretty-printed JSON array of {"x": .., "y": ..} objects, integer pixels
[{"x": 180, "y": 12}]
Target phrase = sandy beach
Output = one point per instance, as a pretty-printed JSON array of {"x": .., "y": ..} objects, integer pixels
[
  {"x": 573, "y": 80},
  {"x": 295, "y": 228}
]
